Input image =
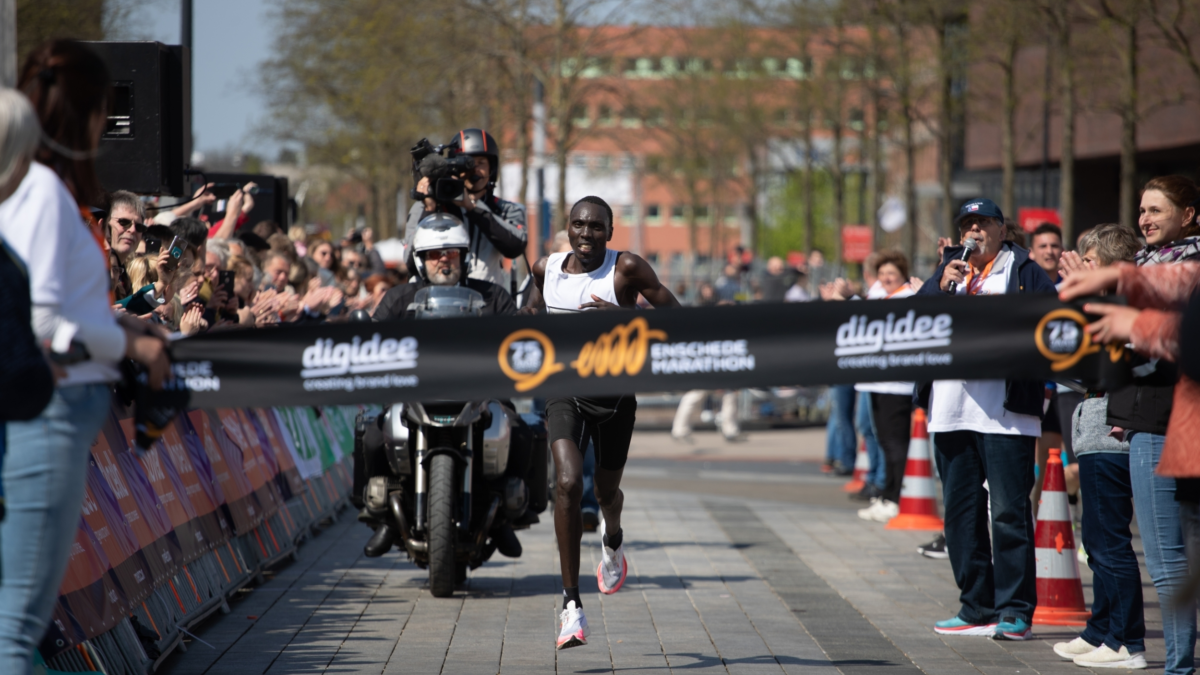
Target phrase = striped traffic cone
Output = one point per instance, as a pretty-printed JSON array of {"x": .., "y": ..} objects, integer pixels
[
  {"x": 1059, "y": 590},
  {"x": 862, "y": 464},
  {"x": 918, "y": 510}
]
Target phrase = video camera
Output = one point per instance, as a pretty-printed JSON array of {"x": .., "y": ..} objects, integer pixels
[{"x": 430, "y": 161}]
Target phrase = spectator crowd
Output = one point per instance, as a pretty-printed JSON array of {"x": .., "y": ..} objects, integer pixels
[{"x": 94, "y": 280}]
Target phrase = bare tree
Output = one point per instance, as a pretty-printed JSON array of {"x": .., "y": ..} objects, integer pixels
[
  {"x": 1060, "y": 21},
  {"x": 1178, "y": 21}
]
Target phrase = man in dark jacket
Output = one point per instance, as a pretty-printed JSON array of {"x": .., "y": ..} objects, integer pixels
[{"x": 987, "y": 430}]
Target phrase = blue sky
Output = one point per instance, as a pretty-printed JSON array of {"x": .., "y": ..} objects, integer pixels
[{"x": 231, "y": 38}]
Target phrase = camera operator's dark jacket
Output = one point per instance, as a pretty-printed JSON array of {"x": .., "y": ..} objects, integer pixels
[
  {"x": 497, "y": 229},
  {"x": 1023, "y": 397},
  {"x": 395, "y": 302}
]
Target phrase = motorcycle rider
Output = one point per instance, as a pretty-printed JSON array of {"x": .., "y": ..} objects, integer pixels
[
  {"x": 440, "y": 244},
  {"x": 496, "y": 226}
]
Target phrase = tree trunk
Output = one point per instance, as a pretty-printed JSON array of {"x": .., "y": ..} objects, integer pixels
[
  {"x": 878, "y": 182},
  {"x": 808, "y": 182},
  {"x": 946, "y": 132},
  {"x": 1129, "y": 122},
  {"x": 904, "y": 84},
  {"x": 1008, "y": 146},
  {"x": 561, "y": 112},
  {"x": 1066, "y": 186}
]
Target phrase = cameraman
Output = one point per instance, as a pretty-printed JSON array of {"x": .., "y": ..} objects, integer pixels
[{"x": 496, "y": 226}]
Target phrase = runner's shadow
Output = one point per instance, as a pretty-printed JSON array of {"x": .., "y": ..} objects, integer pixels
[
  {"x": 674, "y": 582},
  {"x": 710, "y": 661}
]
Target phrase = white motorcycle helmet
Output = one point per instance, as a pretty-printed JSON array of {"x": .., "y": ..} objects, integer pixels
[{"x": 438, "y": 231}]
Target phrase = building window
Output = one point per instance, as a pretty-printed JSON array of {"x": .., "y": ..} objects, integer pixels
[
  {"x": 603, "y": 163},
  {"x": 652, "y": 211},
  {"x": 627, "y": 162},
  {"x": 677, "y": 211},
  {"x": 702, "y": 212},
  {"x": 655, "y": 117},
  {"x": 579, "y": 161},
  {"x": 580, "y": 116},
  {"x": 799, "y": 69},
  {"x": 627, "y": 214},
  {"x": 604, "y": 116},
  {"x": 630, "y": 118}
]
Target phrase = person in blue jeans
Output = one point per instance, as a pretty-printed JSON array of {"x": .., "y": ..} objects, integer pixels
[
  {"x": 865, "y": 426},
  {"x": 839, "y": 431},
  {"x": 987, "y": 430},
  {"x": 1117, "y": 624},
  {"x": 45, "y": 465}
]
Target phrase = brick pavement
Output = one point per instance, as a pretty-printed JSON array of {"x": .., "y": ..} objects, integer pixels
[{"x": 716, "y": 585}]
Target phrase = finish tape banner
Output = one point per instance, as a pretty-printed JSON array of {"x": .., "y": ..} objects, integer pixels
[{"x": 601, "y": 353}]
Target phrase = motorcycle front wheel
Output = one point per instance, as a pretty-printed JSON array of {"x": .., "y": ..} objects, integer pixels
[{"x": 442, "y": 568}]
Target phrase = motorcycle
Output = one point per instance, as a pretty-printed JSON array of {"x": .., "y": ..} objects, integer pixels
[{"x": 443, "y": 483}]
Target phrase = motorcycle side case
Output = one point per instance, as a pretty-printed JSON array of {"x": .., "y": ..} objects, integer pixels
[
  {"x": 497, "y": 439},
  {"x": 395, "y": 434},
  {"x": 539, "y": 459}
]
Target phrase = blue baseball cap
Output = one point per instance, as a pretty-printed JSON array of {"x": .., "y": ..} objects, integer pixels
[{"x": 979, "y": 207}]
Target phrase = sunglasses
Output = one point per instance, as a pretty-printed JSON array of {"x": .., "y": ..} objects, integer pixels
[
  {"x": 451, "y": 253},
  {"x": 126, "y": 223}
]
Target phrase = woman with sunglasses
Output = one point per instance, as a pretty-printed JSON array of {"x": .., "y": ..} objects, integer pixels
[{"x": 123, "y": 229}]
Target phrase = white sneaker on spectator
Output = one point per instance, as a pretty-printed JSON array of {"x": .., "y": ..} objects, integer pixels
[
  {"x": 1076, "y": 647},
  {"x": 1104, "y": 657},
  {"x": 881, "y": 510}
]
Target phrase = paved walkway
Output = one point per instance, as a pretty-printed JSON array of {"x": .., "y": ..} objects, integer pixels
[{"x": 716, "y": 585}]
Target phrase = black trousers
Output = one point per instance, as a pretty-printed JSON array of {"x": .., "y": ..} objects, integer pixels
[{"x": 893, "y": 419}]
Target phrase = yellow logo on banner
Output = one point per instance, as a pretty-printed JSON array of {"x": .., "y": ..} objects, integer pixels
[
  {"x": 527, "y": 357},
  {"x": 1061, "y": 338},
  {"x": 620, "y": 350}
]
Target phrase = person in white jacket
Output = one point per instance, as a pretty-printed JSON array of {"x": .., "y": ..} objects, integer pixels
[{"x": 63, "y": 86}]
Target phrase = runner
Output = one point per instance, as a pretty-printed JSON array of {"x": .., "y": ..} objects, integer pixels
[{"x": 590, "y": 276}]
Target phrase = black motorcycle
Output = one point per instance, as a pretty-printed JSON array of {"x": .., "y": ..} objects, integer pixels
[{"x": 438, "y": 474}]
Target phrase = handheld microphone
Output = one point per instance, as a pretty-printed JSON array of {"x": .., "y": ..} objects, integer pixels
[{"x": 969, "y": 246}]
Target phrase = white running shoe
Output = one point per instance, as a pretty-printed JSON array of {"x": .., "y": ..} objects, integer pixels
[
  {"x": 573, "y": 630},
  {"x": 1069, "y": 650},
  {"x": 1104, "y": 657},
  {"x": 880, "y": 510},
  {"x": 610, "y": 573}
]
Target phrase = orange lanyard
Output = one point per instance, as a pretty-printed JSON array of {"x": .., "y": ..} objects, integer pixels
[
  {"x": 975, "y": 281},
  {"x": 897, "y": 291}
]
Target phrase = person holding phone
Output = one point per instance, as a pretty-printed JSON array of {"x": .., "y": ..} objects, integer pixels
[{"x": 66, "y": 87}]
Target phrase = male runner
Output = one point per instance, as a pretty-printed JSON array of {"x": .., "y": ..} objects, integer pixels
[{"x": 590, "y": 276}]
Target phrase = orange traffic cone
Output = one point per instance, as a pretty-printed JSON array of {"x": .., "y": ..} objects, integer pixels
[
  {"x": 862, "y": 464},
  {"x": 918, "y": 510},
  {"x": 1059, "y": 590}
]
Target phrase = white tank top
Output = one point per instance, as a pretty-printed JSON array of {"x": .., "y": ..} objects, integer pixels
[{"x": 564, "y": 293}]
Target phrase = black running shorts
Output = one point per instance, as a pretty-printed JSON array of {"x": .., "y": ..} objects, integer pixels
[{"x": 607, "y": 421}]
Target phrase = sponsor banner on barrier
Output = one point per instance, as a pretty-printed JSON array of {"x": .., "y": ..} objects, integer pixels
[
  {"x": 147, "y": 513},
  {"x": 618, "y": 352}
]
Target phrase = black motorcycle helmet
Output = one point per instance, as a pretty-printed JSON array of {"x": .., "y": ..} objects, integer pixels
[{"x": 476, "y": 142}]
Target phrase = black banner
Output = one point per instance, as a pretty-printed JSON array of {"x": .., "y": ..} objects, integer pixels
[{"x": 617, "y": 352}]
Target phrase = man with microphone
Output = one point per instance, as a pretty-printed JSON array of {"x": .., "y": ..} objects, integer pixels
[{"x": 987, "y": 430}]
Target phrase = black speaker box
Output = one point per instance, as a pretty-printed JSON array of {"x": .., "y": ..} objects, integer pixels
[
  {"x": 271, "y": 202},
  {"x": 148, "y": 140}
]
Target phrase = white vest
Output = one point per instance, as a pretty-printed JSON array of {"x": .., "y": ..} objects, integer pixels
[{"x": 564, "y": 293}]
